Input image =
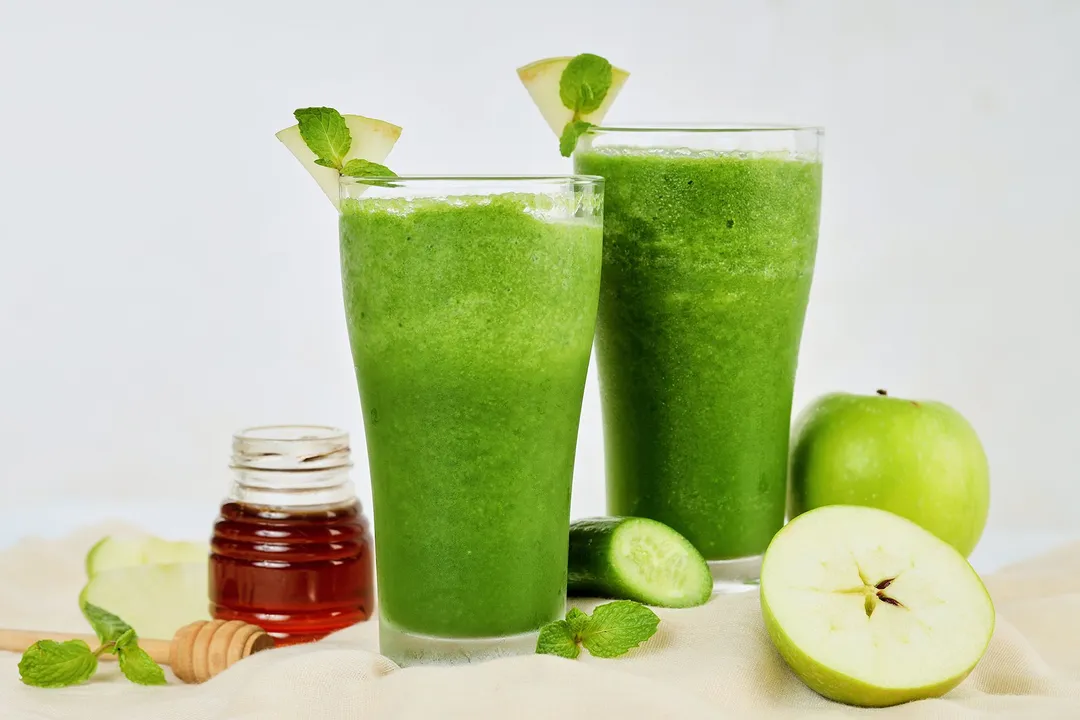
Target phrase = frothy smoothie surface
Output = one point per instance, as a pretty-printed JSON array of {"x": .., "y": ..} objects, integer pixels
[
  {"x": 708, "y": 259},
  {"x": 471, "y": 321}
]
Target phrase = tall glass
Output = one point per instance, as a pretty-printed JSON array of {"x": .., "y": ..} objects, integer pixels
[
  {"x": 710, "y": 235},
  {"x": 471, "y": 304}
]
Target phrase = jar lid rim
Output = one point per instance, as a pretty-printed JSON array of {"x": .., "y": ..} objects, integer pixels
[
  {"x": 290, "y": 433},
  {"x": 291, "y": 448}
]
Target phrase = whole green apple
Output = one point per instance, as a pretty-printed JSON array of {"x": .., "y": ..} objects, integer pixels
[{"x": 920, "y": 460}]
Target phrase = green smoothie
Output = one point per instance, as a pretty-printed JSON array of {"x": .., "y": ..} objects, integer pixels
[
  {"x": 471, "y": 320},
  {"x": 708, "y": 259}
]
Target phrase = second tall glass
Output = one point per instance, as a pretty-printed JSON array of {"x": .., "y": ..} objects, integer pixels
[
  {"x": 710, "y": 236},
  {"x": 471, "y": 304}
]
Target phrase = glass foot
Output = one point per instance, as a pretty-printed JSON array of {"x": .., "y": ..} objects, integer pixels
[
  {"x": 410, "y": 649},
  {"x": 736, "y": 575}
]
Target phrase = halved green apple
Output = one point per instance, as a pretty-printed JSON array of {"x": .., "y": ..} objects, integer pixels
[
  {"x": 371, "y": 140},
  {"x": 869, "y": 609},
  {"x": 541, "y": 79}
]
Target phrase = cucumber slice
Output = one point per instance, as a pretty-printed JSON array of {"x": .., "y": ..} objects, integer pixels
[{"x": 636, "y": 559}]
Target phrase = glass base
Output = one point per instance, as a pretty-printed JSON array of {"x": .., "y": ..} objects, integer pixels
[
  {"x": 736, "y": 575},
  {"x": 410, "y": 649}
]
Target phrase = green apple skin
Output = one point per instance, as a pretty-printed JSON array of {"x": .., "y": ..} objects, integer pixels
[
  {"x": 842, "y": 687},
  {"x": 918, "y": 459}
]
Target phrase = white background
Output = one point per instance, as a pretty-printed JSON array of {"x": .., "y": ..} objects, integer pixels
[{"x": 169, "y": 272}]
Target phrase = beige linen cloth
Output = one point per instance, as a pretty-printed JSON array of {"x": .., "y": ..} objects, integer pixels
[{"x": 714, "y": 661}]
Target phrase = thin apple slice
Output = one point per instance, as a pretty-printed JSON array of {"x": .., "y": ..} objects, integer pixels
[
  {"x": 870, "y": 609},
  {"x": 371, "y": 140},
  {"x": 156, "y": 600},
  {"x": 541, "y": 79},
  {"x": 112, "y": 552}
]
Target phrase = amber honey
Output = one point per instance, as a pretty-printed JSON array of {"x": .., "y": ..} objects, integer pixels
[
  {"x": 291, "y": 550},
  {"x": 298, "y": 575}
]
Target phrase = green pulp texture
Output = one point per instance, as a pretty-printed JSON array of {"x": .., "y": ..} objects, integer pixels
[
  {"x": 471, "y": 323},
  {"x": 708, "y": 260}
]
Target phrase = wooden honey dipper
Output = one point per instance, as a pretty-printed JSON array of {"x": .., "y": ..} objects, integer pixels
[{"x": 196, "y": 653}]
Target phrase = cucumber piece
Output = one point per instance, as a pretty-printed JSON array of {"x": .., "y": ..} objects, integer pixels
[{"x": 636, "y": 559}]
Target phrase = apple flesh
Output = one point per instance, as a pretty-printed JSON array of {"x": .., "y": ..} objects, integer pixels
[
  {"x": 921, "y": 460},
  {"x": 155, "y": 599},
  {"x": 113, "y": 552},
  {"x": 869, "y": 609},
  {"x": 541, "y": 79},
  {"x": 371, "y": 140}
]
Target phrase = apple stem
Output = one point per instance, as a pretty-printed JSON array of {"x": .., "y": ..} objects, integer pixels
[{"x": 883, "y": 393}]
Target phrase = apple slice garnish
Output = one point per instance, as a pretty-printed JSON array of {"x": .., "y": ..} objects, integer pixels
[
  {"x": 371, "y": 140},
  {"x": 541, "y": 79},
  {"x": 870, "y": 609}
]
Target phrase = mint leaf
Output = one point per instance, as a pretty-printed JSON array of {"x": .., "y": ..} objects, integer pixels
[
  {"x": 616, "y": 627},
  {"x": 139, "y": 667},
  {"x": 359, "y": 168},
  {"x": 326, "y": 134},
  {"x": 613, "y": 629},
  {"x": 107, "y": 626},
  {"x": 556, "y": 638},
  {"x": 577, "y": 621},
  {"x": 51, "y": 664},
  {"x": 584, "y": 83},
  {"x": 573, "y": 130},
  {"x": 126, "y": 640},
  {"x": 365, "y": 168}
]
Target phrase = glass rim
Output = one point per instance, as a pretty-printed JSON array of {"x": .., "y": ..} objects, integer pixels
[
  {"x": 705, "y": 127},
  {"x": 575, "y": 179}
]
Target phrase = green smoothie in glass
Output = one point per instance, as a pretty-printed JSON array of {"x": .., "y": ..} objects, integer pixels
[
  {"x": 471, "y": 306},
  {"x": 709, "y": 246}
]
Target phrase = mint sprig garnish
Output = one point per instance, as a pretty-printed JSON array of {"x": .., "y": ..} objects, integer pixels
[
  {"x": 570, "y": 135},
  {"x": 359, "y": 168},
  {"x": 51, "y": 664},
  {"x": 583, "y": 85},
  {"x": 327, "y": 135},
  {"x": 365, "y": 168},
  {"x": 612, "y": 630}
]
